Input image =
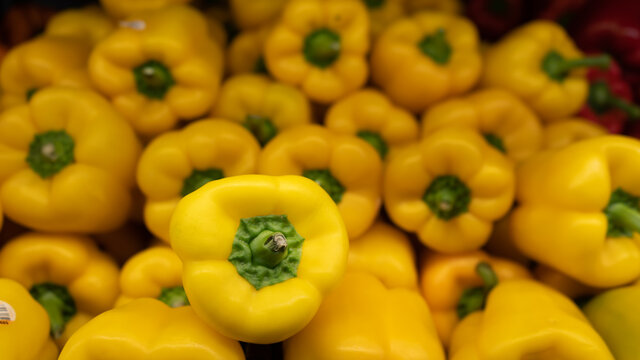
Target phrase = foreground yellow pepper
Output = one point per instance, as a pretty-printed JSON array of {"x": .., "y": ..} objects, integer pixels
[
  {"x": 346, "y": 167},
  {"x": 158, "y": 68},
  {"x": 90, "y": 24},
  {"x": 384, "y": 12},
  {"x": 24, "y": 325},
  {"x": 67, "y": 162},
  {"x": 262, "y": 106},
  {"x": 425, "y": 58},
  {"x": 256, "y": 13},
  {"x": 361, "y": 319},
  {"x": 67, "y": 275},
  {"x": 504, "y": 121},
  {"x": 526, "y": 320},
  {"x": 280, "y": 246},
  {"x": 370, "y": 115},
  {"x": 320, "y": 46},
  {"x": 449, "y": 189},
  {"x": 245, "y": 53},
  {"x": 147, "y": 329},
  {"x": 125, "y": 8},
  {"x": 178, "y": 162},
  {"x": 579, "y": 210},
  {"x": 536, "y": 62},
  {"x": 562, "y": 133}
]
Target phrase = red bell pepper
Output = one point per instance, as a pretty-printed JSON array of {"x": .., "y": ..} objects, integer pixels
[{"x": 494, "y": 18}]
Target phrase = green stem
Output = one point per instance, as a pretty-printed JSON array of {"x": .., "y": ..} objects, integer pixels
[
  {"x": 327, "y": 181},
  {"x": 475, "y": 299},
  {"x": 322, "y": 47},
  {"x": 153, "y": 79},
  {"x": 436, "y": 47},
  {"x": 447, "y": 197},
  {"x": 602, "y": 99},
  {"x": 557, "y": 67},
  {"x": 198, "y": 178},
  {"x": 269, "y": 248},
  {"x": 174, "y": 296},
  {"x": 50, "y": 152},
  {"x": 496, "y": 142},
  {"x": 625, "y": 216},
  {"x": 374, "y": 4},
  {"x": 261, "y": 127},
  {"x": 30, "y": 93},
  {"x": 58, "y": 303},
  {"x": 631, "y": 110},
  {"x": 375, "y": 140}
]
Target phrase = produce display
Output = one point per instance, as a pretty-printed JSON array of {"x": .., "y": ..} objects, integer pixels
[{"x": 320, "y": 180}]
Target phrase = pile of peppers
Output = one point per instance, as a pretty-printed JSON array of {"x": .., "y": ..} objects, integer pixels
[{"x": 320, "y": 180}]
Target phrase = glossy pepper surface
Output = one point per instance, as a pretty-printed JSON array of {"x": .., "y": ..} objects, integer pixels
[
  {"x": 147, "y": 329},
  {"x": 90, "y": 24},
  {"x": 178, "y": 162},
  {"x": 505, "y": 121},
  {"x": 158, "y": 68},
  {"x": 569, "y": 131},
  {"x": 578, "y": 210},
  {"x": 59, "y": 168},
  {"x": 425, "y": 58},
  {"x": 245, "y": 53},
  {"x": 361, "y": 319},
  {"x": 321, "y": 47},
  {"x": 124, "y": 8},
  {"x": 345, "y": 166},
  {"x": 280, "y": 246},
  {"x": 256, "y": 13},
  {"x": 449, "y": 189},
  {"x": 67, "y": 275}
]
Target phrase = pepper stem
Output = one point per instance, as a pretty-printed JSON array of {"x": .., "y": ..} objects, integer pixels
[
  {"x": 327, "y": 181},
  {"x": 322, "y": 47},
  {"x": 447, "y": 197},
  {"x": 375, "y": 140},
  {"x": 630, "y": 109},
  {"x": 557, "y": 67},
  {"x": 269, "y": 248},
  {"x": 58, "y": 303},
  {"x": 624, "y": 216},
  {"x": 475, "y": 299},
  {"x": 50, "y": 152},
  {"x": 261, "y": 127},
  {"x": 153, "y": 79},
  {"x": 174, "y": 296},
  {"x": 602, "y": 99},
  {"x": 436, "y": 47},
  {"x": 495, "y": 141}
]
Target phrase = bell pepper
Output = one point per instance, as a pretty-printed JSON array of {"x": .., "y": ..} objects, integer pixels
[
  {"x": 346, "y": 167},
  {"x": 263, "y": 106},
  {"x": 245, "y": 53},
  {"x": 158, "y": 68},
  {"x": 256, "y": 13},
  {"x": 124, "y": 242},
  {"x": 569, "y": 131},
  {"x": 386, "y": 253},
  {"x": 125, "y": 8},
  {"x": 526, "y": 320},
  {"x": 494, "y": 18},
  {"x": 147, "y": 329},
  {"x": 66, "y": 274},
  {"x": 505, "y": 121},
  {"x": 538, "y": 62},
  {"x": 321, "y": 47},
  {"x": 449, "y": 189},
  {"x": 447, "y": 6},
  {"x": 24, "y": 325},
  {"x": 59, "y": 168},
  {"x": 280, "y": 246},
  {"x": 42, "y": 62},
  {"x": 370, "y": 115},
  {"x": 382, "y": 13},
  {"x": 217, "y": 31},
  {"x": 613, "y": 314},
  {"x": 178, "y": 162},
  {"x": 562, "y": 283},
  {"x": 361, "y": 319},
  {"x": 454, "y": 285},
  {"x": 90, "y": 24},
  {"x": 579, "y": 210},
  {"x": 426, "y": 58}
]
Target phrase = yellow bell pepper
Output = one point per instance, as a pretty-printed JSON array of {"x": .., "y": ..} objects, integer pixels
[
  {"x": 370, "y": 115},
  {"x": 386, "y": 253},
  {"x": 562, "y": 133},
  {"x": 526, "y": 320},
  {"x": 426, "y": 58},
  {"x": 261, "y": 105},
  {"x": 147, "y": 329},
  {"x": 89, "y": 24},
  {"x": 320, "y": 46},
  {"x": 24, "y": 325},
  {"x": 66, "y": 274},
  {"x": 562, "y": 283},
  {"x": 538, "y": 62},
  {"x": 67, "y": 162},
  {"x": 361, "y": 319},
  {"x": 126, "y": 8},
  {"x": 579, "y": 210},
  {"x": 504, "y": 121},
  {"x": 382, "y": 13},
  {"x": 178, "y": 162},
  {"x": 245, "y": 53},
  {"x": 280, "y": 246},
  {"x": 448, "y": 6},
  {"x": 159, "y": 68},
  {"x": 256, "y": 13},
  {"x": 449, "y": 189},
  {"x": 453, "y": 286},
  {"x": 42, "y": 62},
  {"x": 345, "y": 166}
]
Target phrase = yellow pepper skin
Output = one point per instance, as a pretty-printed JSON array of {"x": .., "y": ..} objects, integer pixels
[
  {"x": 158, "y": 68},
  {"x": 178, "y": 162},
  {"x": 90, "y": 24},
  {"x": 444, "y": 279},
  {"x": 361, "y": 319},
  {"x": 449, "y": 189},
  {"x": 386, "y": 253},
  {"x": 533, "y": 62},
  {"x": 345, "y": 166},
  {"x": 504, "y": 120},
  {"x": 370, "y": 115},
  {"x": 447, "y": 6},
  {"x": 321, "y": 47},
  {"x": 562, "y": 133},
  {"x": 147, "y": 329},
  {"x": 256, "y": 13},
  {"x": 25, "y": 336},
  {"x": 263, "y": 106},
  {"x": 245, "y": 53},
  {"x": 80, "y": 162},
  {"x": 382, "y": 13},
  {"x": 562, "y": 283},
  {"x": 426, "y": 58},
  {"x": 259, "y": 288},
  {"x": 124, "y": 8},
  {"x": 68, "y": 275},
  {"x": 527, "y": 320},
  {"x": 577, "y": 210},
  {"x": 42, "y": 62}
]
